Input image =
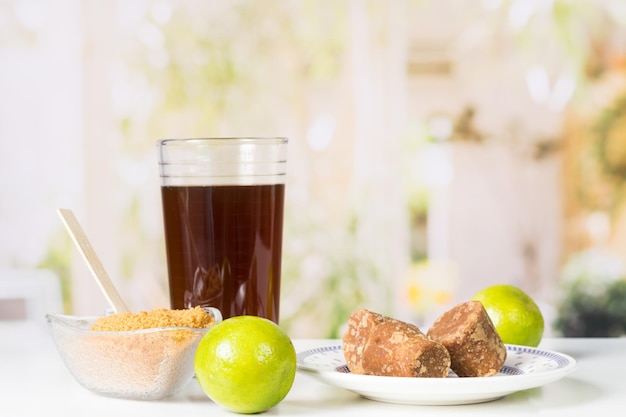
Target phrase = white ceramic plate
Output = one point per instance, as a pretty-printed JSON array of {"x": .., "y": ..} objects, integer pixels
[{"x": 524, "y": 368}]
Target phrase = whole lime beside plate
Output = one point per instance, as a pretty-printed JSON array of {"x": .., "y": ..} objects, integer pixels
[
  {"x": 246, "y": 364},
  {"x": 515, "y": 315}
]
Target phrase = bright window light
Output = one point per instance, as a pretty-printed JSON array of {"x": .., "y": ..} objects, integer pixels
[
  {"x": 538, "y": 84},
  {"x": 321, "y": 132}
]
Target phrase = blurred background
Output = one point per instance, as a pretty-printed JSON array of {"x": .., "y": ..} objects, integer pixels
[{"x": 436, "y": 147}]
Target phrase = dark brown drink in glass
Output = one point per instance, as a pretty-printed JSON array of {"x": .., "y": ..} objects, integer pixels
[
  {"x": 224, "y": 245},
  {"x": 223, "y": 204}
]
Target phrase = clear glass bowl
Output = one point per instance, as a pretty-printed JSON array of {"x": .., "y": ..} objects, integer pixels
[{"x": 146, "y": 364}]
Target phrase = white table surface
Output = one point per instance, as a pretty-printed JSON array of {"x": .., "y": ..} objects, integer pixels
[{"x": 35, "y": 382}]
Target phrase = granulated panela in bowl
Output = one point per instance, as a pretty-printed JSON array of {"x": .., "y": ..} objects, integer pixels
[
  {"x": 145, "y": 355},
  {"x": 195, "y": 317}
]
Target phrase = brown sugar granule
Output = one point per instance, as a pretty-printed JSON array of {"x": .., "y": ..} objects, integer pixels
[
  {"x": 374, "y": 344},
  {"x": 468, "y": 333},
  {"x": 195, "y": 317}
]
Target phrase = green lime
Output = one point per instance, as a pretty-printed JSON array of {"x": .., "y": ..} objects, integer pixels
[
  {"x": 246, "y": 364},
  {"x": 515, "y": 315}
]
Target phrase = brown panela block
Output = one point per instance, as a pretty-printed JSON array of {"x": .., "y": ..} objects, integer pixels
[
  {"x": 379, "y": 345},
  {"x": 474, "y": 345},
  {"x": 360, "y": 323}
]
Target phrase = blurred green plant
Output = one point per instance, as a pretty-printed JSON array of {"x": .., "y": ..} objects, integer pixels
[
  {"x": 416, "y": 139},
  {"x": 326, "y": 275},
  {"x": 221, "y": 68},
  {"x": 593, "y": 295},
  {"x": 593, "y": 314},
  {"x": 57, "y": 260}
]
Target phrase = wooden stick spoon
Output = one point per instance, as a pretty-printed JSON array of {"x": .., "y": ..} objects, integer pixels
[{"x": 89, "y": 255}]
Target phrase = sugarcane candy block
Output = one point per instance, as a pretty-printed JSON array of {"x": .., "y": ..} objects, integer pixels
[
  {"x": 374, "y": 344},
  {"x": 474, "y": 345}
]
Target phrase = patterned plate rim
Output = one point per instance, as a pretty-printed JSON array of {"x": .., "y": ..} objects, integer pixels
[{"x": 563, "y": 361}]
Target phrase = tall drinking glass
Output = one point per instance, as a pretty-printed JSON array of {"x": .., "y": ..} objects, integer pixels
[{"x": 223, "y": 203}]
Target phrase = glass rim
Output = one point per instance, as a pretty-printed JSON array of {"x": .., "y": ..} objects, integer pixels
[{"x": 226, "y": 140}]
